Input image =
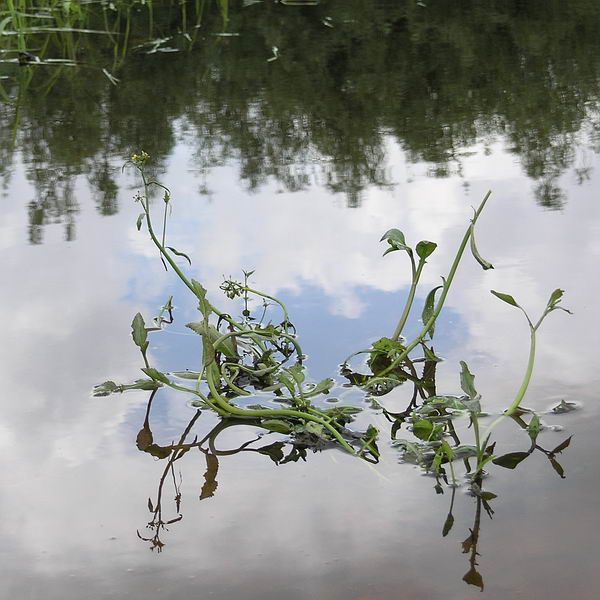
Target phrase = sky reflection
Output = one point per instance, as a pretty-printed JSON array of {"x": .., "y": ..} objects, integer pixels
[{"x": 77, "y": 486}]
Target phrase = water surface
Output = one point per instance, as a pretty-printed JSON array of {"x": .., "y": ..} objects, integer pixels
[{"x": 372, "y": 116}]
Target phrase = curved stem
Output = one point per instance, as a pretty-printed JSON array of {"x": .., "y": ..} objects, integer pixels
[
  {"x": 276, "y": 300},
  {"x": 442, "y": 298},
  {"x": 234, "y": 410},
  {"x": 146, "y": 206}
]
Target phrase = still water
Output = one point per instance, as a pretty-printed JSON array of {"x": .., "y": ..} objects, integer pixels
[{"x": 292, "y": 138}]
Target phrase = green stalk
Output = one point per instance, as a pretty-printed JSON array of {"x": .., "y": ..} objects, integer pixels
[
  {"x": 442, "y": 298},
  {"x": 281, "y": 304},
  {"x": 526, "y": 379},
  {"x": 416, "y": 274},
  {"x": 475, "y": 422},
  {"x": 524, "y": 385},
  {"x": 234, "y": 410},
  {"x": 146, "y": 206}
]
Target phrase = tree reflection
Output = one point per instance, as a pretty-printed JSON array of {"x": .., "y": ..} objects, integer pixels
[{"x": 348, "y": 77}]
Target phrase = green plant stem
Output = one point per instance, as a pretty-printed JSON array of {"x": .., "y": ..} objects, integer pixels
[
  {"x": 146, "y": 206},
  {"x": 524, "y": 385},
  {"x": 416, "y": 274},
  {"x": 234, "y": 410},
  {"x": 527, "y": 378},
  {"x": 475, "y": 422},
  {"x": 442, "y": 298},
  {"x": 276, "y": 300}
]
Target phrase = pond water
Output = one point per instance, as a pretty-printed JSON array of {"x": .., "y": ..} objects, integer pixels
[{"x": 292, "y": 136}]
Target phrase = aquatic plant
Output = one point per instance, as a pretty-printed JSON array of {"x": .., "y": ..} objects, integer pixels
[
  {"x": 241, "y": 357},
  {"x": 254, "y": 354}
]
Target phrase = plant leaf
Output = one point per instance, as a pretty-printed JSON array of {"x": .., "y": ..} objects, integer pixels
[
  {"x": 186, "y": 374},
  {"x": 396, "y": 240},
  {"x": 316, "y": 429},
  {"x": 425, "y": 248},
  {"x": 322, "y": 387},
  {"x": 554, "y": 300},
  {"x": 467, "y": 380},
  {"x": 141, "y": 384},
  {"x": 182, "y": 254},
  {"x": 139, "y": 332},
  {"x": 430, "y": 354},
  {"x": 533, "y": 429},
  {"x": 276, "y": 425},
  {"x": 484, "y": 263},
  {"x": 422, "y": 429},
  {"x": 506, "y": 298},
  {"x": 428, "y": 309},
  {"x": 106, "y": 388},
  {"x": 211, "y": 334},
  {"x": 156, "y": 375},
  {"x": 139, "y": 221}
]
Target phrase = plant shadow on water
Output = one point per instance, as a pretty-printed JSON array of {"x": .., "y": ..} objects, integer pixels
[{"x": 254, "y": 359}]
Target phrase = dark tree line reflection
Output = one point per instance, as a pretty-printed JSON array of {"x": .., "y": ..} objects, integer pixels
[{"x": 347, "y": 76}]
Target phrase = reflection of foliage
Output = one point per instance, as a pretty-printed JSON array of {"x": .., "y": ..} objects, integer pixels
[
  {"x": 347, "y": 77},
  {"x": 280, "y": 452}
]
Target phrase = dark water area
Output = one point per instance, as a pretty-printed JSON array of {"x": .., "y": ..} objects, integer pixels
[{"x": 292, "y": 135}]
